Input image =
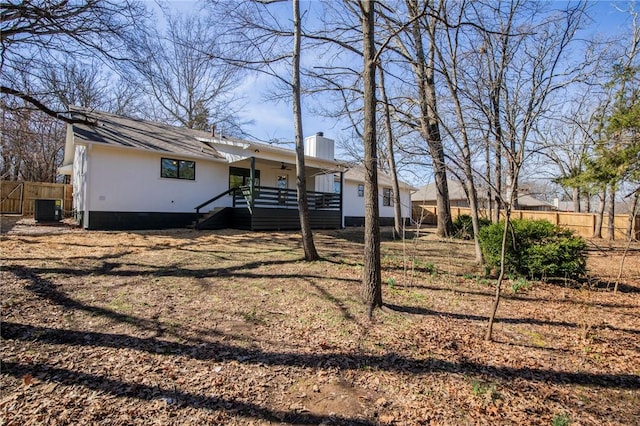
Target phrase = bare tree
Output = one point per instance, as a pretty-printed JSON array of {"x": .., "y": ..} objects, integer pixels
[
  {"x": 37, "y": 35},
  {"x": 449, "y": 49},
  {"x": 310, "y": 252},
  {"x": 411, "y": 46},
  {"x": 566, "y": 143},
  {"x": 597, "y": 229},
  {"x": 185, "y": 78},
  {"x": 257, "y": 41},
  {"x": 634, "y": 211},
  {"x": 531, "y": 66},
  {"x": 533, "y": 79},
  {"x": 31, "y": 146},
  {"x": 372, "y": 278},
  {"x": 76, "y": 83},
  {"x": 398, "y": 226}
]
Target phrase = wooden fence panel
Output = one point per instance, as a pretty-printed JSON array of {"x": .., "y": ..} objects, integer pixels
[
  {"x": 11, "y": 197},
  {"x": 19, "y": 197},
  {"x": 582, "y": 223},
  {"x": 620, "y": 223}
]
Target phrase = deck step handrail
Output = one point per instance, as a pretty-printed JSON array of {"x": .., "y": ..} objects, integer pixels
[{"x": 217, "y": 197}]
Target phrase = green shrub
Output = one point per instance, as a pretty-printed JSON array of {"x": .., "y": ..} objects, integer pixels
[
  {"x": 391, "y": 282},
  {"x": 539, "y": 250},
  {"x": 519, "y": 284},
  {"x": 561, "y": 420},
  {"x": 463, "y": 226}
]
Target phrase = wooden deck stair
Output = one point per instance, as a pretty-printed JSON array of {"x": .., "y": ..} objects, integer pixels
[{"x": 214, "y": 219}]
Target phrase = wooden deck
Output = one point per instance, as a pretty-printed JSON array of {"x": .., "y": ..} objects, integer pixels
[{"x": 276, "y": 209}]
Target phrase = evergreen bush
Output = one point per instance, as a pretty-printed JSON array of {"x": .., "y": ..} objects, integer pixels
[
  {"x": 535, "y": 249},
  {"x": 463, "y": 226}
]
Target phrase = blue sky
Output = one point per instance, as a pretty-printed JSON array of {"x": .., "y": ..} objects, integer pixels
[{"x": 273, "y": 120}]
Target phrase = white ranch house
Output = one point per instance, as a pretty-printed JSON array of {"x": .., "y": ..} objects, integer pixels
[{"x": 135, "y": 174}]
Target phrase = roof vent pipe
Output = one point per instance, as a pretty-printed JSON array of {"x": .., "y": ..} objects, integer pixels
[{"x": 213, "y": 130}]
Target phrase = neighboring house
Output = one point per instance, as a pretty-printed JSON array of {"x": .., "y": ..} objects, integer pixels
[
  {"x": 134, "y": 174},
  {"x": 426, "y": 196}
]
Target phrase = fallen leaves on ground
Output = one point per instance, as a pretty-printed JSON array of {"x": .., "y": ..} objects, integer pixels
[{"x": 232, "y": 327}]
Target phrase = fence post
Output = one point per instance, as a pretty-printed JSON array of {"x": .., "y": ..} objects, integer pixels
[{"x": 25, "y": 193}]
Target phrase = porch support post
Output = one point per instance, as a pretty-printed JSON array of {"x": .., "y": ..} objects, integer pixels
[
  {"x": 252, "y": 180},
  {"x": 341, "y": 199}
]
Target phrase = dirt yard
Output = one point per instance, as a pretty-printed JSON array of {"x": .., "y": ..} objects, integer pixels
[{"x": 232, "y": 327}]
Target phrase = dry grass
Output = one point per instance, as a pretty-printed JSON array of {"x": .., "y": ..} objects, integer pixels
[{"x": 231, "y": 327}]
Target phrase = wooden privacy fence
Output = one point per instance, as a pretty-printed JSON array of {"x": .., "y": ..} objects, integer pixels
[
  {"x": 19, "y": 197},
  {"x": 584, "y": 224}
]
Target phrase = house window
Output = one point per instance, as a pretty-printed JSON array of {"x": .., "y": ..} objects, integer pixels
[
  {"x": 242, "y": 177},
  {"x": 360, "y": 190},
  {"x": 177, "y": 169},
  {"x": 387, "y": 196},
  {"x": 336, "y": 184}
]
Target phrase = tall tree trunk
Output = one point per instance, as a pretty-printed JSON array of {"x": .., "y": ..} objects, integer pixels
[
  {"x": 576, "y": 200},
  {"x": 497, "y": 185},
  {"x": 512, "y": 179},
  {"x": 489, "y": 182},
  {"x": 597, "y": 232},
  {"x": 475, "y": 222},
  {"x": 611, "y": 230},
  {"x": 423, "y": 68},
  {"x": 450, "y": 70},
  {"x": 397, "y": 207},
  {"x": 632, "y": 216},
  {"x": 310, "y": 252},
  {"x": 496, "y": 77},
  {"x": 496, "y": 300},
  {"x": 371, "y": 280}
]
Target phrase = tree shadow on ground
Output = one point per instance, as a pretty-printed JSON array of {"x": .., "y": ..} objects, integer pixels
[
  {"x": 129, "y": 269},
  {"x": 415, "y": 310},
  {"x": 524, "y": 297},
  {"x": 391, "y": 362},
  {"x": 607, "y": 285},
  {"x": 47, "y": 289},
  {"x": 179, "y": 398}
]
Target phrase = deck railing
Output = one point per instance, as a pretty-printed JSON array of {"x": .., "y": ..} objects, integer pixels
[{"x": 269, "y": 197}]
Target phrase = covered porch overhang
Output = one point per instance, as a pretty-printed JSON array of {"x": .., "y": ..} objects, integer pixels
[{"x": 281, "y": 174}]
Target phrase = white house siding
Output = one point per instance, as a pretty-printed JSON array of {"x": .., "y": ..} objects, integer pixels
[
  {"x": 353, "y": 205},
  {"x": 129, "y": 181},
  {"x": 125, "y": 190}
]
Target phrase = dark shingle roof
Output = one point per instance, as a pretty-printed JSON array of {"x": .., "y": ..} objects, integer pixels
[{"x": 115, "y": 130}]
